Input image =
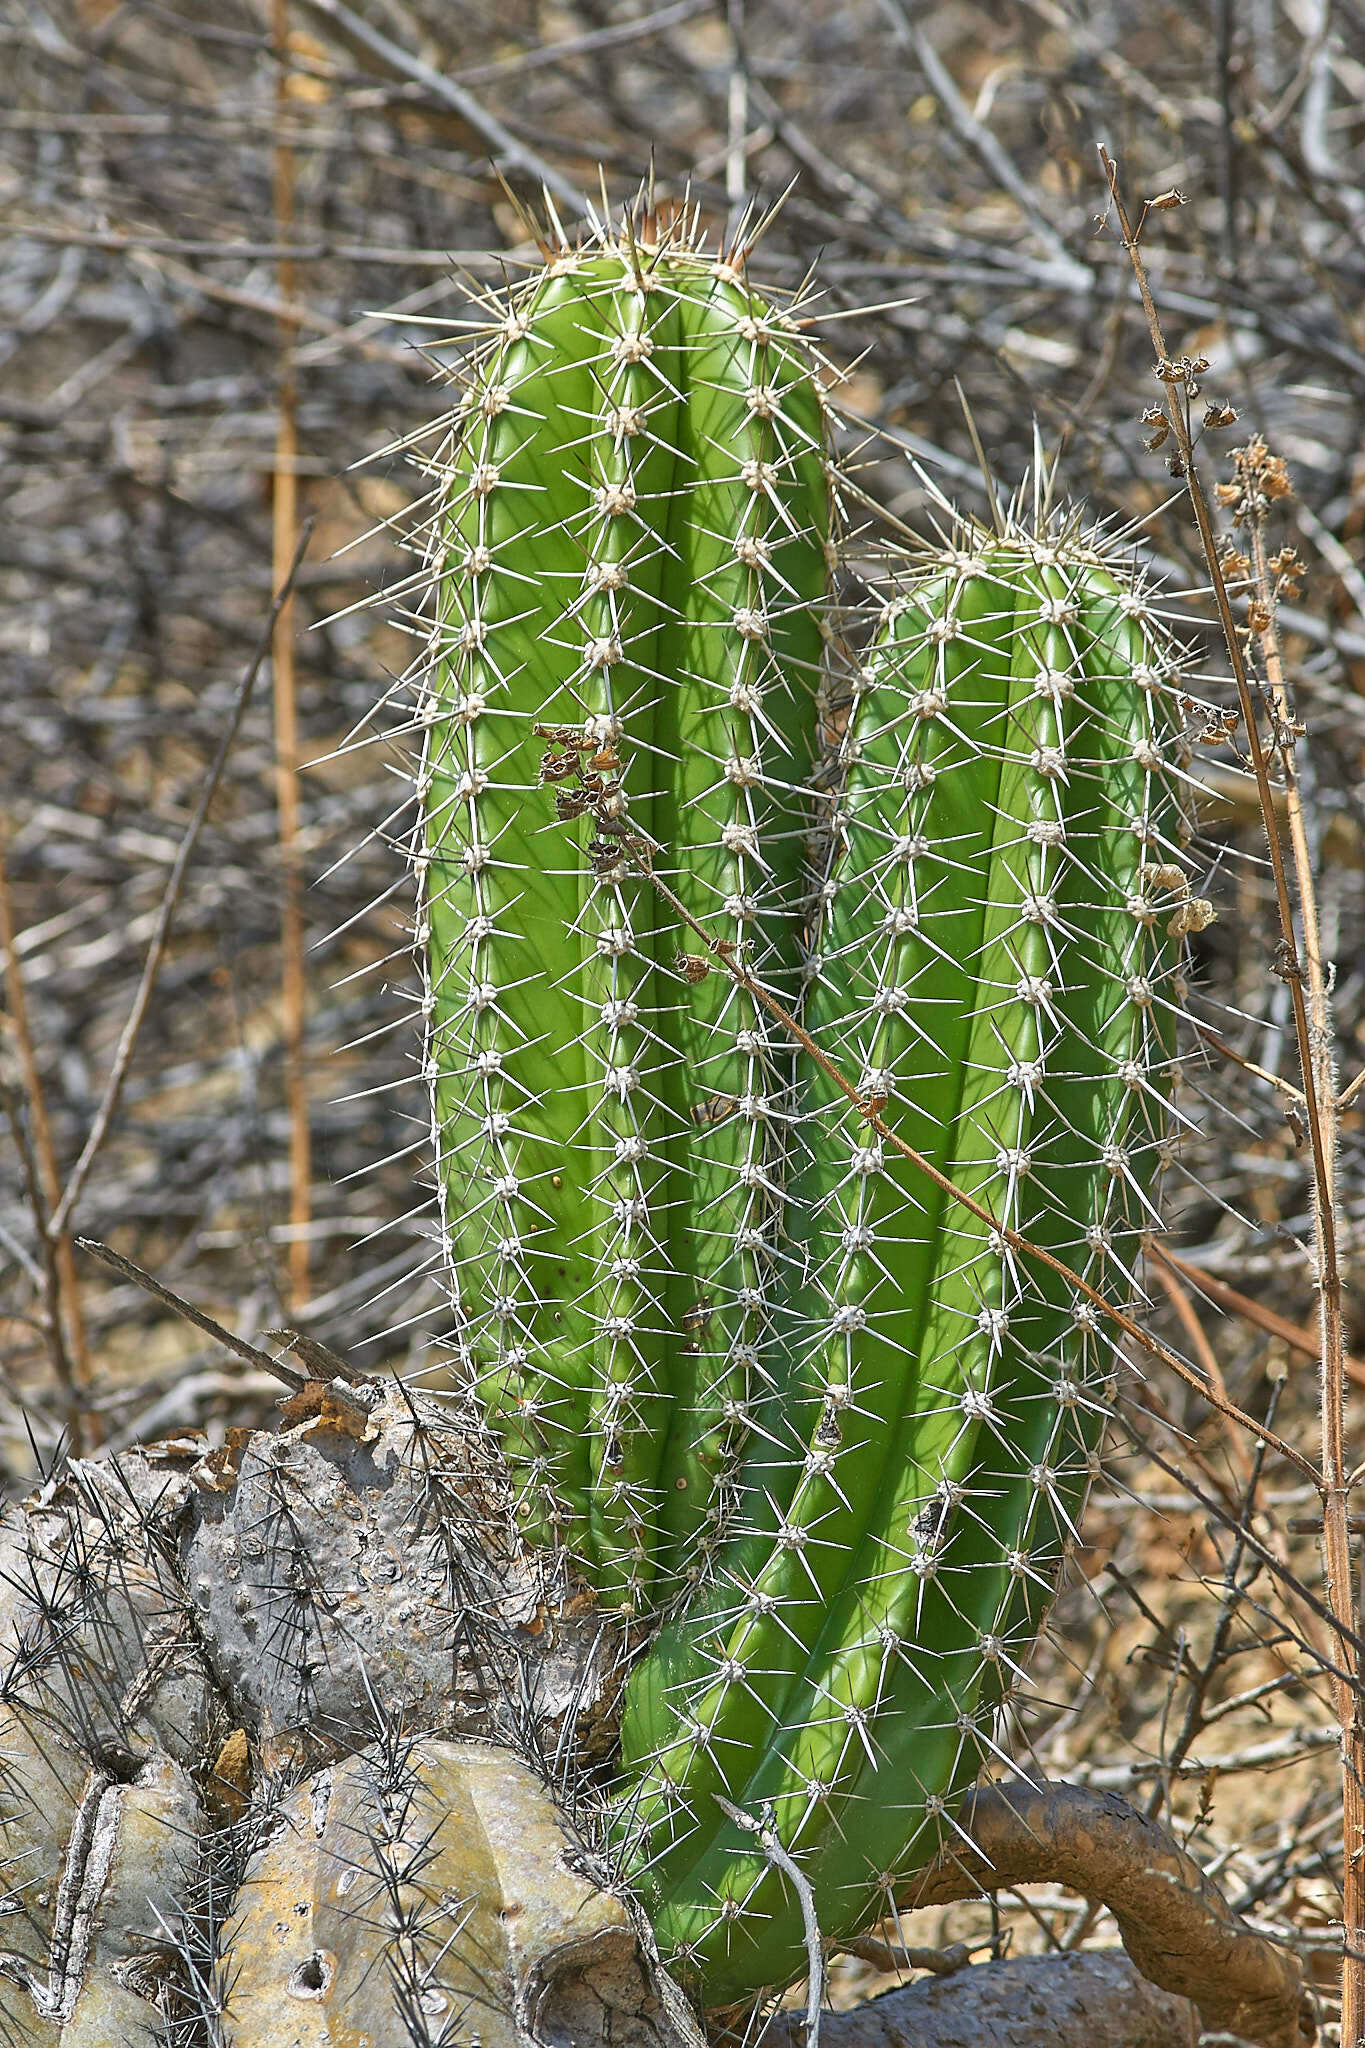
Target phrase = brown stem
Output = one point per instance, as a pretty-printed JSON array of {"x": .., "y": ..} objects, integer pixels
[
  {"x": 118, "y": 1072},
  {"x": 293, "y": 989},
  {"x": 53, "y": 1333},
  {"x": 295, "y": 1381},
  {"x": 1297, "y": 1336},
  {"x": 1175, "y": 1923},
  {"x": 1205, "y": 1355},
  {"x": 1276, "y": 1081},
  {"x": 1315, "y": 1063},
  {"x": 72, "y": 1358},
  {"x": 1320, "y": 1086}
]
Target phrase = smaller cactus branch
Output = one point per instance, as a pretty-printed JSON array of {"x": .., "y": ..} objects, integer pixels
[{"x": 638, "y": 850}]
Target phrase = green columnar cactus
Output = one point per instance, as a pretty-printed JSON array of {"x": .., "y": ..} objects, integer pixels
[
  {"x": 631, "y": 551},
  {"x": 777, "y": 1394},
  {"x": 988, "y": 963}
]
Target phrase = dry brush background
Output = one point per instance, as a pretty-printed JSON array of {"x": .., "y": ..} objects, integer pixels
[{"x": 159, "y": 315}]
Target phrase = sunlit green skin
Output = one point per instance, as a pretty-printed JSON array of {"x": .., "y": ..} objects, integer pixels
[
  {"x": 844, "y": 1699},
  {"x": 632, "y": 542}
]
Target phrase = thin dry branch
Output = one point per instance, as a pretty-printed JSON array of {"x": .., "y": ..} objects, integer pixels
[
  {"x": 284, "y": 536},
  {"x": 1313, "y": 1039},
  {"x": 445, "y": 91},
  {"x": 1299, "y": 1339},
  {"x": 127, "y": 1045},
  {"x": 50, "y": 1279},
  {"x": 251, "y": 1353},
  {"x": 71, "y": 1355}
]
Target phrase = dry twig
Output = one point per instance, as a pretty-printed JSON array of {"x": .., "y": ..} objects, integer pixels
[
  {"x": 127, "y": 1045},
  {"x": 1313, "y": 1038},
  {"x": 285, "y": 519}
]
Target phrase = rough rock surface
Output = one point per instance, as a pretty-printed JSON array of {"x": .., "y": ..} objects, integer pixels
[{"x": 231, "y": 1811}]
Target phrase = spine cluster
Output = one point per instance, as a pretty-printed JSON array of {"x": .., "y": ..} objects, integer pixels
[{"x": 770, "y": 1387}]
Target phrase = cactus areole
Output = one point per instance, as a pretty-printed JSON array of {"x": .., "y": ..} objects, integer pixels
[{"x": 803, "y": 1418}]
